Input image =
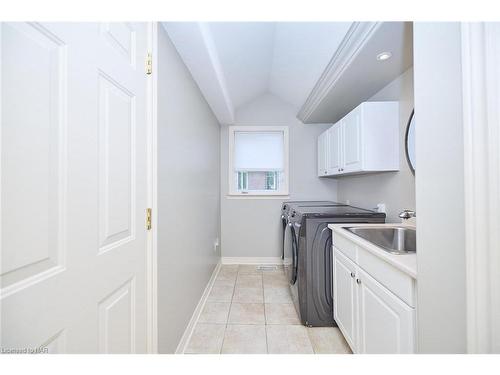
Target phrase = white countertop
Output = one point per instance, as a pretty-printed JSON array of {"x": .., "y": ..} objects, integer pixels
[{"x": 404, "y": 262}]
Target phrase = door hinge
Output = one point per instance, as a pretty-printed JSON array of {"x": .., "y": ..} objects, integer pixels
[
  {"x": 148, "y": 218},
  {"x": 149, "y": 63}
]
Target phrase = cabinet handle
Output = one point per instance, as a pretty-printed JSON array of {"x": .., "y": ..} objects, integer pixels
[
  {"x": 358, "y": 281},
  {"x": 352, "y": 274}
]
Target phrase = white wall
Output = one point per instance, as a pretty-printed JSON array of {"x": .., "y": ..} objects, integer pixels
[
  {"x": 395, "y": 189},
  {"x": 440, "y": 188},
  {"x": 251, "y": 227},
  {"x": 188, "y": 194}
]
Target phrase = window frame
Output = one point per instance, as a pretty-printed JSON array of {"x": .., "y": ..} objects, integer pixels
[{"x": 233, "y": 188}]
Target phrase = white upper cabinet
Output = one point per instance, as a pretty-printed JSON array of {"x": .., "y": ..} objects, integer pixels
[
  {"x": 352, "y": 142},
  {"x": 322, "y": 154},
  {"x": 365, "y": 140},
  {"x": 333, "y": 153}
]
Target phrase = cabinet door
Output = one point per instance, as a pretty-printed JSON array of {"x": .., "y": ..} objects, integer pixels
[
  {"x": 386, "y": 323},
  {"x": 351, "y": 127},
  {"x": 322, "y": 153},
  {"x": 345, "y": 298},
  {"x": 334, "y": 162}
]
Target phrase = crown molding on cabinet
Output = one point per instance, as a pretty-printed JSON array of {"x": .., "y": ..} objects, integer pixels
[
  {"x": 353, "y": 74},
  {"x": 357, "y": 36}
]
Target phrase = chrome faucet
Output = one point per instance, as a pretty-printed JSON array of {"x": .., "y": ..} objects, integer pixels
[{"x": 407, "y": 214}]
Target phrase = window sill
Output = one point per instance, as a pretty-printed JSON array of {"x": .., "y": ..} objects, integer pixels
[{"x": 258, "y": 196}]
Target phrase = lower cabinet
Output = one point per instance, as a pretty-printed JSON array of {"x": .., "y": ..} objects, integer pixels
[
  {"x": 345, "y": 298},
  {"x": 371, "y": 317}
]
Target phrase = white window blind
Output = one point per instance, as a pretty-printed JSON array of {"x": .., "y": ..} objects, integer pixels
[{"x": 258, "y": 151}]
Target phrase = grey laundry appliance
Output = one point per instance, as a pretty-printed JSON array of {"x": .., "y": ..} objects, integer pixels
[
  {"x": 286, "y": 207},
  {"x": 307, "y": 259}
]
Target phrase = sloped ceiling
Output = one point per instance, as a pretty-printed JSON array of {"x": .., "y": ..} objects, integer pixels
[
  {"x": 301, "y": 53},
  {"x": 245, "y": 52},
  {"x": 235, "y": 62}
]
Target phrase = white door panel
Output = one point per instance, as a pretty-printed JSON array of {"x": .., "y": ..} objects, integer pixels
[
  {"x": 32, "y": 167},
  {"x": 117, "y": 145},
  {"x": 345, "y": 298},
  {"x": 352, "y": 141},
  {"x": 73, "y": 173},
  {"x": 335, "y": 149},
  {"x": 386, "y": 322},
  {"x": 322, "y": 153}
]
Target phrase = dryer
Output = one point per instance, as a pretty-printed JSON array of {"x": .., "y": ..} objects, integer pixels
[
  {"x": 308, "y": 253},
  {"x": 286, "y": 208}
]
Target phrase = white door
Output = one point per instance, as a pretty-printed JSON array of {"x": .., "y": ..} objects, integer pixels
[
  {"x": 386, "y": 322},
  {"x": 322, "y": 153},
  {"x": 335, "y": 149},
  {"x": 351, "y": 125},
  {"x": 345, "y": 298},
  {"x": 73, "y": 200}
]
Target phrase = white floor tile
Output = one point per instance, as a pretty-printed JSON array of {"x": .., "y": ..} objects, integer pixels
[
  {"x": 328, "y": 340},
  {"x": 247, "y": 313},
  {"x": 225, "y": 279},
  {"x": 281, "y": 313},
  {"x": 288, "y": 339},
  {"x": 248, "y": 295},
  {"x": 206, "y": 339},
  {"x": 248, "y": 269},
  {"x": 277, "y": 295},
  {"x": 245, "y": 339},
  {"x": 249, "y": 281},
  {"x": 250, "y": 311},
  {"x": 221, "y": 294},
  {"x": 215, "y": 312},
  {"x": 274, "y": 280}
]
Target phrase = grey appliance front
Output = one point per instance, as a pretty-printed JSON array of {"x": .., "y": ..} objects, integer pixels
[{"x": 311, "y": 288}]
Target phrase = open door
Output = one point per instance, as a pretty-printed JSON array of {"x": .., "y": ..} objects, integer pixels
[{"x": 74, "y": 187}]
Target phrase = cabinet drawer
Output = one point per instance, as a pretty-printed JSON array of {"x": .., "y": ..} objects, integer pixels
[
  {"x": 348, "y": 248},
  {"x": 398, "y": 282}
]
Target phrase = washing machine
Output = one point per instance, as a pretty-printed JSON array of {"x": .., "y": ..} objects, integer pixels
[
  {"x": 286, "y": 208},
  {"x": 308, "y": 257}
]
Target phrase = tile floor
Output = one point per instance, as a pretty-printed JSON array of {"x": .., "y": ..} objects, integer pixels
[{"x": 251, "y": 311}]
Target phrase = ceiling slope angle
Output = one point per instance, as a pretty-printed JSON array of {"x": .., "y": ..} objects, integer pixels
[
  {"x": 234, "y": 63},
  {"x": 371, "y": 55},
  {"x": 302, "y": 50},
  {"x": 195, "y": 45},
  {"x": 245, "y": 51}
]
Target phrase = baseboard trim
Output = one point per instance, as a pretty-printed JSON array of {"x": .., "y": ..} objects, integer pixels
[
  {"x": 251, "y": 260},
  {"x": 188, "y": 332}
]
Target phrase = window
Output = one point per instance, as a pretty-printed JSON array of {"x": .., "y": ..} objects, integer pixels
[{"x": 258, "y": 160}]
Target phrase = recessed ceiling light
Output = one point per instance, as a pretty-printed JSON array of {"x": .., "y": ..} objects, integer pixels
[{"x": 384, "y": 56}]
